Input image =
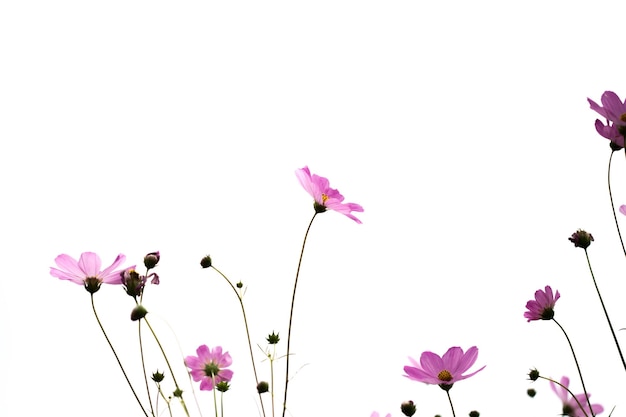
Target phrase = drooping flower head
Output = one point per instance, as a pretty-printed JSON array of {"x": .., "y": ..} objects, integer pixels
[
  {"x": 209, "y": 367},
  {"x": 86, "y": 271},
  {"x": 571, "y": 407},
  {"x": 443, "y": 371},
  {"x": 324, "y": 196},
  {"x": 614, "y": 112},
  {"x": 542, "y": 307},
  {"x": 581, "y": 239}
]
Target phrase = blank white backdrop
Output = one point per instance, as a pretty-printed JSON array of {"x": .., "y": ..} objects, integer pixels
[{"x": 461, "y": 127}]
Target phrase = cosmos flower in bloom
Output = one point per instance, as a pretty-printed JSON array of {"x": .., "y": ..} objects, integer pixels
[
  {"x": 570, "y": 405},
  {"x": 209, "y": 367},
  {"x": 614, "y": 111},
  {"x": 542, "y": 307},
  {"x": 324, "y": 196},
  {"x": 86, "y": 271},
  {"x": 443, "y": 371}
]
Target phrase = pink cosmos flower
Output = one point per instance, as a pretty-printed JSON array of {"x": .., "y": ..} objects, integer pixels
[
  {"x": 86, "y": 271},
  {"x": 443, "y": 371},
  {"x": 570, "y": 405},
  {"x": 209, "y": 367},
  {"x": 542, "y": 307},
  {"x": 614, "y": 111},
  {"x": 324, "y": 196}
]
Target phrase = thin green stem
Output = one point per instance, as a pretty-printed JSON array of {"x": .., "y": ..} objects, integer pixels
[
  {"x": 178, "y": 390},
  {"x": 93, "y": 307},
  {"x": 450, "y": 400},
  {"x": 143, "y": 366},
  {"x": 272, "y": 378},
  {"x": 293, "y": 299},
  {"x": 245, "y": 322},
  {"x": 580, "y": 374},
  {"x": 570, "y": 393},
  {"x": 606, "y": 313},
  {"x": 214, "y": 394},
  {"x": 619, "y": 233}
]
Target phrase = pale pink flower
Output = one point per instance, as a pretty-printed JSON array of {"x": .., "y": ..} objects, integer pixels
[
  {"x": 570, "y": 405},
  {"x": 443, "y": 371},
  {"x": 375, "y": 414},
  {"x": 324, "y": 196},
  {"x": 209, "y": 366},
  {"x": 614, "y": 112},
  {"x": 86, "y": 271},
  {"x": 542, "y": 307}
]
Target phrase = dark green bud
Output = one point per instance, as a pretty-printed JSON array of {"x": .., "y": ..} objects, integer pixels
[
  {"x": 408, "y": 408},
  {"x": 138, "y": 312},
  {"x": 263, "y": 387},
  {"x": 206, "y": 262}
]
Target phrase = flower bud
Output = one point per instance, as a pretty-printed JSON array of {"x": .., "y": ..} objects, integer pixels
[
  {"x": 474, "y": 414},
  {"x": 178, "y": 393},
  {"x": 408, "y": 408},
  {"x": 531, "y": 392},
  {"x": 151, "y": 259},
  {"x": 581, "y": 239},
  {"x": 273, "y": 338},
  {"x": 222, "y": 386},
  {"x": 206, "y": 262},
  {"x": 158, "y": 376},
  {"x": 533, "y": 375},
  {"x": 239, "y": 285},
  {"x": 263, "y": 387},
  {"x": 138, "y": 312}
]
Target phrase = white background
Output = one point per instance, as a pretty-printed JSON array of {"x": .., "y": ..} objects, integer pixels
[{"x": 461, "y": 127}]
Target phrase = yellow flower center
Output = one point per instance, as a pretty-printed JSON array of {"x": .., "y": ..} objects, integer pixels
[
  {"x": 445, "y": 376},
  {"x": 324, "y": 198},
  {"x": 623, "y": 117}
]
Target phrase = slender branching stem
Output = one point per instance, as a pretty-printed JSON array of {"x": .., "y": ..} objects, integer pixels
[
  {"x": 606, "y": 313},
  {"x": 169, "y": 366},
  {"x": 580, "y": 374},
  {"x": 93, "y": 307},
  {"x": 245, "y": 322},
  {"x": 293, "y": 299}
]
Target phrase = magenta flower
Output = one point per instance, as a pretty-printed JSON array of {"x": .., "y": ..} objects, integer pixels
[
  {"x": 86, "y": 271},
  {"x": 571, "y": 407},
  {"x": 443, "y": 371},
  {"x": 324, "y": 196},
  {"x": 209, "y": 367},
  {"x": 614, "y": 111},
  {"x": 542, "y": 307}
]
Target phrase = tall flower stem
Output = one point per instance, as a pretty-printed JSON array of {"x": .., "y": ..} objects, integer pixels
[
  {"x": 93, "y": 307},
  {"x": 606, "y": 314},
  {"x": 293, "y": 299},
  {"x": 179, "y": 392},
  {"x": 450, "y": 400},
  {"x": 580, "y": 374},
  {"x": 245, "y": 322},
  {"x": 143, "y": 366},
  {"x": 619, "y": 233}
]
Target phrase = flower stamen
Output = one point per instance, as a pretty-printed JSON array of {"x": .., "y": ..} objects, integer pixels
[{"x": 445, "y": 376}]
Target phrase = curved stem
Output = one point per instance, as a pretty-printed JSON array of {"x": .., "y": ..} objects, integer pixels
[
  {"x": 619, "y": 233},
  {"x": 93, "y": 307},
  {"x": 450, "y": 400},
  {"x": 580, "y": 374},
  {"x": 293, "y": 299},
  {"x": 606, "y": 314},
  {"x": 178, "y": 390},
  {"x": 245, "y": 322},
  {"x": 580, "y": 406}
]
